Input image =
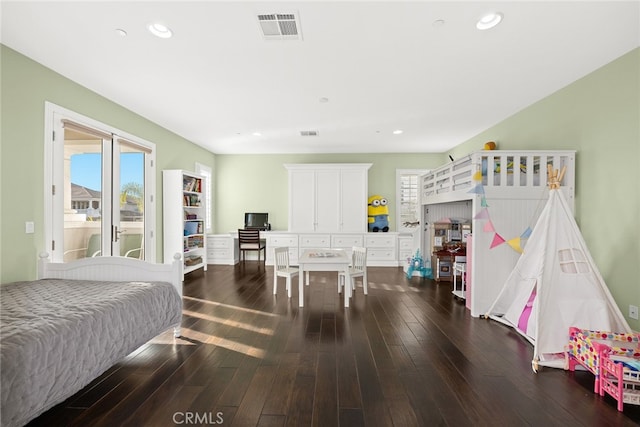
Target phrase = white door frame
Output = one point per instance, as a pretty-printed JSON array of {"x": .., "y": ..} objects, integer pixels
[{"x": 54, "y": 180}]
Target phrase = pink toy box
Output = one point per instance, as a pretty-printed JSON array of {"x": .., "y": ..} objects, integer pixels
[{"x": 587, "y": 348}]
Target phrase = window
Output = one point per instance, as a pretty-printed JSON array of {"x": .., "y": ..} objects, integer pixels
[
  {"x": 408, "y": 199},
  {"x": 573, "y": 261}
]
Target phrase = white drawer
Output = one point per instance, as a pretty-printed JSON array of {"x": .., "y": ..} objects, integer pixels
[
  {"x": 283, "y": 241},
  {"x": 219, "y": 243},
  {"x": 405, "y": 243},
  {"x": 381, "y": 254},
  {"x": 315, "y": 241},
  {"x": 218, "y": 254},
  {"x": 380, "y": 241},
  {"x": 403, "y": 255},
  {"x": 346, "y": 240}
]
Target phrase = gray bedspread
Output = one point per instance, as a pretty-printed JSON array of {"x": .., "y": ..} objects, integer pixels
[{"x": 56, "y": 336}]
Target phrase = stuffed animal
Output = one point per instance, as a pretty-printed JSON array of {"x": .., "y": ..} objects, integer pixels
[
  {"x": 491, "y": 145},
  {"x": 378, "y": 214}
]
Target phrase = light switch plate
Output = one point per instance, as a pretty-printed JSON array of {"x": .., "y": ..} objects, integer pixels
[
  {"x": 29, "y": 227},
  {"x": 633, "y": 311}
]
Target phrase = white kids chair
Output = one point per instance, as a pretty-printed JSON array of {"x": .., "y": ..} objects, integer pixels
[{"x": 281, "y": 268}]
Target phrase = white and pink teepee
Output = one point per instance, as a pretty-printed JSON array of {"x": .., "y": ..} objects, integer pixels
[{"x": 555, "y": 285}]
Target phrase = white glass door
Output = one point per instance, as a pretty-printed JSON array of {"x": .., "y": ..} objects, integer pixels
[
  {"x": 102, "y": 192},
  {"x": 129, "y": 201},
  {"x": 85, "y": 207}
]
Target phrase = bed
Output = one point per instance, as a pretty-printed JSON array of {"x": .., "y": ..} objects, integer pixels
[
  {"x": 588, "y": 348},
  {"x": 513, "y": 184},
  {"x": 515, "y": 174},
  {"x": 60, "y": 332}
]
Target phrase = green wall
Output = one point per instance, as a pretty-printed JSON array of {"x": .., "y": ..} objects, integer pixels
[
  {"x": 25, "y": 86},
  {"x": 599, "y": 116},
  {"x": 259, "y": 183}
]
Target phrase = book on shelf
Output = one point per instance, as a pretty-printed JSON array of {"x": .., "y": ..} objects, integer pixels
[
  {"x": 192, "y": 184},
  {"x": 191, "y": 200},
  {"x": 193, "y": 227},
  {"x": 195, "y": 242}
]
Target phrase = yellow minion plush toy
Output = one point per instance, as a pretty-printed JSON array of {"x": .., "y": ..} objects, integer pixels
[{"x": 378, "y": 214}]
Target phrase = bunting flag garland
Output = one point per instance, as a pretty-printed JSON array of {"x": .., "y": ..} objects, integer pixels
[
  {"x": 478, "y": 189},
  {"x": 483, "y": 214},
  {"x": 516, "y": 242},
  {"x": 488, "y": 227},
  {"x": 497, "y": 240}
]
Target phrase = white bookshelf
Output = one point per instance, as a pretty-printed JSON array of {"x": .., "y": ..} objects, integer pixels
[{"x": 184, "y": 213}]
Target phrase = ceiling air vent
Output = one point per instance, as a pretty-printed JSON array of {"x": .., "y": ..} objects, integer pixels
[
  {"x": 280, "y": 26},
  {"x": 308, "y": 133}
]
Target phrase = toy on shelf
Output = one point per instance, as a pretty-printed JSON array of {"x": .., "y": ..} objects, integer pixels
[
  {"x": 587, "y": 348},
  {"x": 378, "y": 214},
  {"x": 490, "y": 145},
  {"x": 417, "y": 265}
]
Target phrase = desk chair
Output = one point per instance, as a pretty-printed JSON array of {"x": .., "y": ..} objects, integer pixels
[
  {"x": 249, "y": 240},
  {"x": 281, "y": 268},
  {"x": 358, "y": 268}
]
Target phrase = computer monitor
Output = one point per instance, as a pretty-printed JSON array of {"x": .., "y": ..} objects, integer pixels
[{"x": 256, "y": 220}]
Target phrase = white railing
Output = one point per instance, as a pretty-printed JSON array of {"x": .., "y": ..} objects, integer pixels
[{"x": 499, "y": 169}]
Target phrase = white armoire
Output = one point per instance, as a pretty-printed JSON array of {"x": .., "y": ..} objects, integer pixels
[{"x": 328, "y": 197}]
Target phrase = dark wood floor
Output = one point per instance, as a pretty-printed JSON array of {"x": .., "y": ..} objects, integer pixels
[{"x": 408, "y": 354}]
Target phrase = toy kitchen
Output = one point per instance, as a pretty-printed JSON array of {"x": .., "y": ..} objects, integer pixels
[{"x": 448, "y": 246}]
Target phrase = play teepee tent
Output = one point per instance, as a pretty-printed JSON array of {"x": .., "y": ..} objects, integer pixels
[{"x": 555, "y": 285}]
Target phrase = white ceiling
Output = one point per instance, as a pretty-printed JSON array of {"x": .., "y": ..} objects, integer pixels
[{"x": 382, "y": 65}]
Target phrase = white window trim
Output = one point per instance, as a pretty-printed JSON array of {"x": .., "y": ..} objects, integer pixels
[
  {"x": 400, "y": 172},
  {"x": 52, "y": 110},
  {"x": 207, "y": 172}
]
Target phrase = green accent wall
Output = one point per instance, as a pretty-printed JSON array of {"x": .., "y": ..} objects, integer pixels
[
  {"x": 599, "y": 116},
  {"x": 260, "y": 183},
  {"x": 25, "y": 86}
]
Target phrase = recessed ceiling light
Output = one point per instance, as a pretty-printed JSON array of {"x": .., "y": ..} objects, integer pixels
[
  {"x": 121, "y": 32},
  {"x": 438, "y": 23},
  {"x": 489, "y": 20},
  {"x": 324, "y": 100},
  {"x": 160, "y": 30},
  {"x": 397, "y": 131},
  {"x": 256, "y": 134}
]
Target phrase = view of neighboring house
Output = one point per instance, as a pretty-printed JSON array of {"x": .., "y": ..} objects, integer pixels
[{"x": 87, "y": 201}]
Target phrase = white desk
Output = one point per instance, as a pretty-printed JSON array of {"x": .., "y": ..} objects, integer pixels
[{"x": 324, "y": 260}]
